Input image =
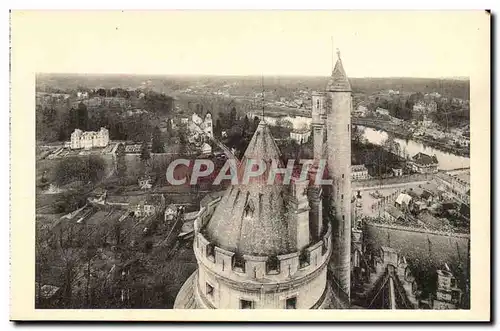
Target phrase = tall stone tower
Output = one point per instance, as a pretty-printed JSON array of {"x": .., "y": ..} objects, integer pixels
[
  {"x": 262, "y": 246},
  {"x": 338, "y": 105}
]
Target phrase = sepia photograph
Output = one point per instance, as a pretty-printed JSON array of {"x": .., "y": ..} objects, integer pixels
[{"x": 314, "y": 160}]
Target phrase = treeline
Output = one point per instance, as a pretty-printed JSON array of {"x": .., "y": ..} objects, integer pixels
[
  {"x": 449, "y": 113},
  {"x": 55, "y": 121},
  {"x": 398, "y": 106}
]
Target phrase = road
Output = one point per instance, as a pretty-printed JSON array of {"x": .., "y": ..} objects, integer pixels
[{"x": 396, "y": 185}]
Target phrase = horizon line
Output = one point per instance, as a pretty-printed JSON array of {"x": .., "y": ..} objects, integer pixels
[{"x": 247, "y": 75}]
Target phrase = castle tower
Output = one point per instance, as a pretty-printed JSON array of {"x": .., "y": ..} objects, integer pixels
[
  {"x": 338, "y": 105},
  {"x": 255, "y": 247},
  {"x": 318, "y": 123}
]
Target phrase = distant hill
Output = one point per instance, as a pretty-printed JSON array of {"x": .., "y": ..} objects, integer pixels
[{"x": 451, "y": 87}]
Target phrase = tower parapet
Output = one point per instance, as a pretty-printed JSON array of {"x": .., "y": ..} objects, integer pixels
[{"x": 265, "y": 281}]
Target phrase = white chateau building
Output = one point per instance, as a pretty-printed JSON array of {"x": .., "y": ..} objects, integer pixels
[
  {"x": 199, "y": 124},
  {"x": 261, "y": 246},
  {"x": 89, "y": 139}
]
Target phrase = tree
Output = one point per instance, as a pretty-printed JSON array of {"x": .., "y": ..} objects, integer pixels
[
  {"x": 145, "y": 154},
  {"x": 246, "y": 126},
  {"x": 71, "y": 169},
  {"x": 232, "y": 116},
  {"x": 169, "y": 127},
  {"x": 121, "y": 164},
  {"x": 157, "y": 141},
  {"x": 280, "y": 122},
  {"x": 183, "y": 142},
  {"x": 356, "y": 135},
  {"x": 218, "y": 128},
  {"x": 255, "y": 124},
  {"x": 83, "y": 116}
]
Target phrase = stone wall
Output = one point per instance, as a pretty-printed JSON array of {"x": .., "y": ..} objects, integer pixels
[{"x": 435, "y": 248}]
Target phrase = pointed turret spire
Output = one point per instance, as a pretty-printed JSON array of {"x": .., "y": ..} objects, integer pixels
[{"x": 338, "y": 81}]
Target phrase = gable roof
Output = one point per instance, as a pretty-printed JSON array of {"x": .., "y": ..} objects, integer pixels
[{"x": 403, "y": 198}]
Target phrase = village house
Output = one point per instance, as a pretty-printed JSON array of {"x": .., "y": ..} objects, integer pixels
[
  {"x": 206, "y": 149},
  {"x": 82, "y": 95},
  {"x": 424, "y": 164},
  {"x": 403, "y": 201},
  {"x": 150, "y": 206},
  {"x": 359, "y": 171},
  {"x": 397, "y": 172},
  {"x": 457, "y": 186},
  {"x": 360, "y": 111},
  {"x": 393, "y": 214},
  {"x": 301, "y": 136},
  {"x": 170, "y": 212}
]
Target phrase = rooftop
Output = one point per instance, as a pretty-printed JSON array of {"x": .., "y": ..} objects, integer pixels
[
  {"x": 424, "y": 159},
  {"x": 394, "y": 211},
  {"x": 403, "y": 198},
  {"x": 358, "y": 167}
]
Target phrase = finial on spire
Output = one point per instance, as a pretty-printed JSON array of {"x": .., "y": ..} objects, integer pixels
[
  {"x": 338, "y": 53},
  {"x": 263, "y": 100}
]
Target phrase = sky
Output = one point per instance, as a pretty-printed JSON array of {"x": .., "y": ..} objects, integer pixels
[{"x": 371, "y": 43}]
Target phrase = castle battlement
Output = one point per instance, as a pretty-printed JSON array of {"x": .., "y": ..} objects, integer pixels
[{"x": 256, "y": 268}]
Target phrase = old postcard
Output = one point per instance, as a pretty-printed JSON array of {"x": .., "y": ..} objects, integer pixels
[{"x": 329, "y": 161}]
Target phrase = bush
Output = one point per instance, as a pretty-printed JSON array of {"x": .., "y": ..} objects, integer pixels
[{"x": 86, "y": 169}]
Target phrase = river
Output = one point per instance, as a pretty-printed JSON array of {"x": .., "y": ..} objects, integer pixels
[{"x": 446, "y": 160}]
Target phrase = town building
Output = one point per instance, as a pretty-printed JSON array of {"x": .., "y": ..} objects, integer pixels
[
  {"x": 89, "y": 139},
  {"x": 82, "y": 95},
  {"x": 382, "y": 111},
  {"x": 457, "y": 186},
  {"x": 301, "y": 136},
  {"x": 425, "y": 107},
  {"x": 360, "y": 111},
  {"x": 393, "y": 214},
  {"x": 403, "y": 201},
  {"x": 269, "y": 246},
  {"x": 397, "y": 172},
  {"x": 205, "y": 123},
  {"x": 359, "y": 171},
  {"x": 424, "y": 164},
  {"x": 206, "y": 149}
]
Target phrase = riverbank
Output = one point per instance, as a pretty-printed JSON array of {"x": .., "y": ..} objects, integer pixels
[{"x": 402, "y": 131}]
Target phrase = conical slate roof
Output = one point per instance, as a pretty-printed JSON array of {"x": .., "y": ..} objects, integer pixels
[
  {"x": 251, "y": 218},
  {"x": 338, "y": 81}
]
